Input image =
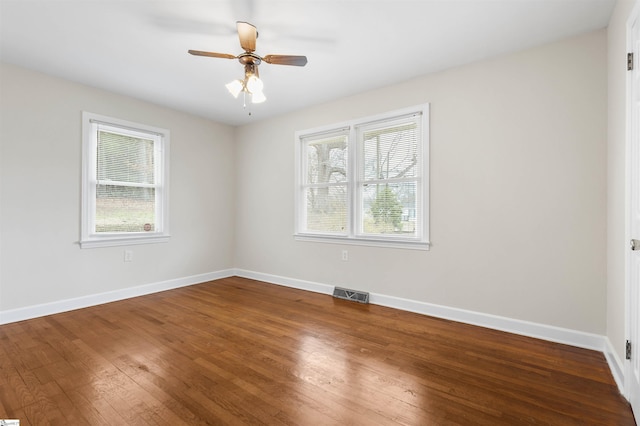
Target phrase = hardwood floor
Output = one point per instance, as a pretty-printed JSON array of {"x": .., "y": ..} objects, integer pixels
[{"x": 237, "y": 351}]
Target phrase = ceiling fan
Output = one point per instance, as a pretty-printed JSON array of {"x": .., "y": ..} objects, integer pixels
[{"x": 251, "y": 83}]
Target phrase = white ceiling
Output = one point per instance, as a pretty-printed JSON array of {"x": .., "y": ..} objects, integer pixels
[{"x": 139, "y": 47}]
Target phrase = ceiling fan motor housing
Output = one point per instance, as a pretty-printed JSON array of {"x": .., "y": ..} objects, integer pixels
[
  {"x": 248, "y": 58},
  {"x": 251, "y": 69}
]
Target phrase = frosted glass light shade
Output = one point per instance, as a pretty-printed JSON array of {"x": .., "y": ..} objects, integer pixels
[
  {"x": 254, "y": 84},
  {"x": 258, "y": 97},
  {"x": 235, "y": 87}
]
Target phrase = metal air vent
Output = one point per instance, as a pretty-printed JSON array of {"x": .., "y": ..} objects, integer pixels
[{"x": 354, "y": 295}]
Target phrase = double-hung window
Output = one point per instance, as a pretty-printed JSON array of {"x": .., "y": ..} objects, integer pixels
[
  {"x": 124, "y": 182},
  {"x": 365, "y": 181}
]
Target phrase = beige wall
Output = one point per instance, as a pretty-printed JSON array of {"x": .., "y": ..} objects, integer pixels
[
  {"x": 40, "y": 137},
  {"x": 518, "y": 190},
  {"x": 616, "y": 239}
]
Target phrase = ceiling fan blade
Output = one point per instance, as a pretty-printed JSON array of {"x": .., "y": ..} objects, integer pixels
[
  {"x": 248, "y": 35},
  {"x": 299, "y": 61},
  {"x": 212, "y": 54}
]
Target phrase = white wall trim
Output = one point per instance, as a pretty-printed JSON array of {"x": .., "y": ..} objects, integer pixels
[
  {"x": 35, "y": 311},
  {"x": 286, "y": 282},
  {"x": 510, "y": 325},
  {"x": 526, "y": 328},
  {"x": 551, "y": 333},
  {"x": 615, "y": 364}
]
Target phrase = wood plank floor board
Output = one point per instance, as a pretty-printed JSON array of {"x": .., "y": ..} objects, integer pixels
[
  {"x": 170, "y": 393},
  {"x": 490, "y": 388},
  {"x": 14, "y": 393},
  {"x": 238, "y": 351},
  {"x": 199, "y": 387},
  {"x": 19, "y": 414},
  {"x": 73, "y": 405},
  {"x": 90, "y": 402},
  {"x": 317, "y": 378},
  {"x": 511, "y": 376},
  {"x": 253, "y": 389},
  {"x": 73, "y": 415}
]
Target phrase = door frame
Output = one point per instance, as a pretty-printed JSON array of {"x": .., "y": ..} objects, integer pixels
[{"x": 632, "y": 142}]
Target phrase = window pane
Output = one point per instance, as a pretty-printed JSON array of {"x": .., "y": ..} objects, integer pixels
[
  {"x": 125, "y": 158},
  {"x": 365, "y": 180},
  {"x": 327, "y": 160},
  {"x": 390, "y": 209},
  {"x": 391, "y": 152},
  {"x": 125, "y": 209},
  {"x": 327, "y": 209}
]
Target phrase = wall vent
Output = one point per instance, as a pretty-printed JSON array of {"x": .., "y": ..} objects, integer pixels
[{"x": 354, "y": 295}]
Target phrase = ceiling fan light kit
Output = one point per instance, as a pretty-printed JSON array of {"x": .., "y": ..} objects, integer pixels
[{"x": 251, "y": 84}]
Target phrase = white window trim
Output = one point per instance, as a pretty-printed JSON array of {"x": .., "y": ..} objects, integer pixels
[
  {"x": 352, "y": 237},
  {"x": 90, "y": 239}
]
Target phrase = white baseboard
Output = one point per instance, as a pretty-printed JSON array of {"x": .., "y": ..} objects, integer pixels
[
  {"x": 286, "y": 282},
  {"x": 510, "y": 325},
  {"x": 615, "y": 364},
  {"x": 35, "y": 311},
  {"x": 525, "y": 328}
]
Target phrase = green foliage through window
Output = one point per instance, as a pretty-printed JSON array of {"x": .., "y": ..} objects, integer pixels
[{"x": 386, "y": 210}]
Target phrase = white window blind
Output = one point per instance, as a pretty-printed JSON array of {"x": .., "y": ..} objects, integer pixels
[
  {"x": 389, "y": 185},
  {"x": 126, "y": 184},
  {"x": 325, "y": 186},
  {"x": 125, "y": 176}
]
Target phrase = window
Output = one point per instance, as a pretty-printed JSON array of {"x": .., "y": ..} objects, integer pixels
[
  {"x": 365, "y": 181},
  {"x": 124, "y": 182}
]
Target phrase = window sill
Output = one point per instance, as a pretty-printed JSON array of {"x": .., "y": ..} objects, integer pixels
[
  {"x": 123, "y": 241},
  {"x": 360, "y": 241}
]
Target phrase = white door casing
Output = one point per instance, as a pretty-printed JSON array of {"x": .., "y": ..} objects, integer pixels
[{"x": 632, "y": 365}]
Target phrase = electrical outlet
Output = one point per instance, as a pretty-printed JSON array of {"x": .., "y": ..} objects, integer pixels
[
  {"x": 345, "y": 255},
  {"x": 128, "y": 255}
]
